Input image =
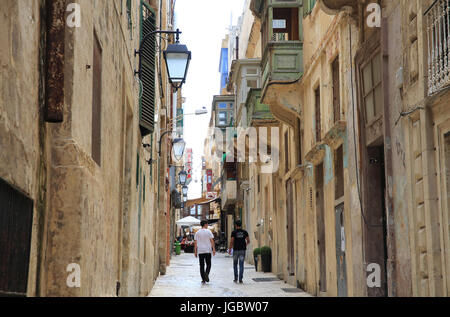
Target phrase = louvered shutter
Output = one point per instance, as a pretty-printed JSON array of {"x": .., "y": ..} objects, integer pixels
[{"x": 148, "y": 70}]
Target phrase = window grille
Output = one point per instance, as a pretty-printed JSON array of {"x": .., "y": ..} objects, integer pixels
[{"x": 438, "y": 33}]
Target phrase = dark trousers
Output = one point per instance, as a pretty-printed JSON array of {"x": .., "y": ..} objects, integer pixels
[
  {"x": 238, "y": 257},
  {"x": 205, "y": 257}
]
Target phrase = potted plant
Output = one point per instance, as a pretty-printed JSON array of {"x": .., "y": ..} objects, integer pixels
[
  {"x": 266, "y": 259},
  {"x": 256, "y": 252}
]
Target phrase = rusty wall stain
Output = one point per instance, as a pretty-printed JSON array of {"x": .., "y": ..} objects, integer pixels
[{"x": 55, "y": 60}]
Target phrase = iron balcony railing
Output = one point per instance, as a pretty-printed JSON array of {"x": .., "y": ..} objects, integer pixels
[{"x": 438, "y": 33}]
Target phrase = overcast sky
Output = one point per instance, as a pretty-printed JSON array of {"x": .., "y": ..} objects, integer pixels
[{"x": 204, "y": 24}]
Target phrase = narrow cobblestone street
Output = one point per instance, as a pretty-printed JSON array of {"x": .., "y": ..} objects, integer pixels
[
  {"x": 315, "y": 134},
  {"x": 183, "y": 280}
]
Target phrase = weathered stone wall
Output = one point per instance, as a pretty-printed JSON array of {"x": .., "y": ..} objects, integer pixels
[
  {"x": 22, "y": 160},
  {"x": 100, "y": 216},
  {"x": 90, "y": 221},
  {"x": 397, "y": 189},
  {"x": 423, "y": 132}
]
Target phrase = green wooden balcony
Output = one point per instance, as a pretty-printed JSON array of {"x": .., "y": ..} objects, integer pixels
[
  {"x": 282, "y": 55},
  {"x": 258, "y": 114},
  {"x": 282, "y": 39},
  {"x": 282, "y": 62},
  {"x": 282, "y": 71}
]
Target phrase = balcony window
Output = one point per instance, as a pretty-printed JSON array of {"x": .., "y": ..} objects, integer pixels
[
  {"x": 223, "y": 108},
  {"x": 284, "y": 25},
  {"x": 438, "y": 32},
  {"x": 371, "y": 86},
  {"x": 281, "y": 41},
  {"x": 222, "y": 118},
  {"x": 247, "y": 75},
  {"x": 318, "y": 116},
  {"x": 252, "y": 71},
  {"x": 336, "y": 90}
]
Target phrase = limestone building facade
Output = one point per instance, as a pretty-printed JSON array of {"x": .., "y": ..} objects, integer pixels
[
  {"x": 82, "y": 205},
  {"x": 359, "y": 92}
]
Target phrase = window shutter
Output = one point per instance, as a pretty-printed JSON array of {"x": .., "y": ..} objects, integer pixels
[{"x": 148, "y": 71}]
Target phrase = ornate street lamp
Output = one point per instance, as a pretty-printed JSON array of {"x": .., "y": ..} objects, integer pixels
[
  {"x": 185, "y": 191},
  {"x": 177, "y": 59},
  {"x": 178, "y": 146},
  {"x": 179, "y": 143},
  {"x": 182, "y": 176}
]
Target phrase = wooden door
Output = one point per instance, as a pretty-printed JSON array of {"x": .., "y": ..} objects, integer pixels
[
  {"x": 320, "y": 218},
  {"x": 375, "y": 230},
  {"x": 16, "y": 218},
  {"x": 341, "y": 264},
  {"x": 290, "y": 228}
]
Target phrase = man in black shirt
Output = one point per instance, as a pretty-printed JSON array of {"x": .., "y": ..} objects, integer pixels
[{"x": 239, "y": 242}]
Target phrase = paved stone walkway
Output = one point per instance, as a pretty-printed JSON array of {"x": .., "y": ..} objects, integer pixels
[{"x": 183, "y": 280}]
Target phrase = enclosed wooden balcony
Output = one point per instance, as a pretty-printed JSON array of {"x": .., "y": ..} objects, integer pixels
[
  {"x": 282, "y": 55},
  {"x": 246, "y": 75},
  {"x": 229, "y": 184},
  {"x": 258, "y": 114},
  {"x": 282, "y": 63},
  {"x": 229, "y": 193},
  {"x": 282, "y": 41},
  {"x": 223, "y": 108}
]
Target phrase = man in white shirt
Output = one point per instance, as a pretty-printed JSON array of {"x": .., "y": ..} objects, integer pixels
[{"x": 203, "y": 246}]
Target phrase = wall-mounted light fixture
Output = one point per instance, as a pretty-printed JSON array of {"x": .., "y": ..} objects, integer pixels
[
  {"x": 178, "y": 146},
  {"x": 182, "y": 176},
  {"x": 185, "y": 191},
  {"x": 177, "y": 59}
]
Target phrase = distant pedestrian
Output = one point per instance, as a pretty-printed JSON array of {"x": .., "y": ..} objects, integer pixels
[
  {"x": 239, "y": 242},
  {"x": 203, "y": 247}
]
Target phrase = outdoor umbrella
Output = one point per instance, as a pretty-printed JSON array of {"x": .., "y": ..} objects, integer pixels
[{"x": 188, "y": 221}]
